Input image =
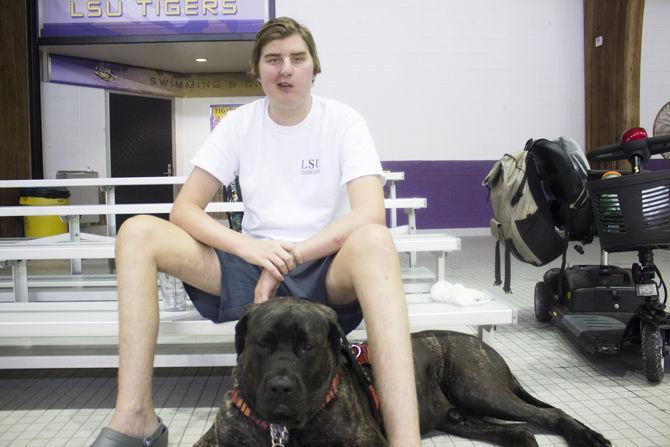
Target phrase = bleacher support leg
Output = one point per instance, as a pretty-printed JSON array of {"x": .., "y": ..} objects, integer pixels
[
  {"x": 20, "y": 280},
  {"x": 75, "y": 236},
  {"x": 411, "y": 224}
]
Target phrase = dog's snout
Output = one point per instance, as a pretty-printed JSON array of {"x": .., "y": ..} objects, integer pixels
[{"x": 281, "y": 386}]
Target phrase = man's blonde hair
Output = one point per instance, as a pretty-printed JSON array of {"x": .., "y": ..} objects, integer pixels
[{"x": 280, "y": 28}]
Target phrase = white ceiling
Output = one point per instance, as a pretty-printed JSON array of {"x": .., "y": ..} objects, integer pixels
[{"x": 222, "y": 56}]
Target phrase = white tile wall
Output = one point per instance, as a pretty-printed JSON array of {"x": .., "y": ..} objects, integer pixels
[
  {"x": 452, "y": 80},
  {"x": 192, "y": 126},
  {"x": 655, "y": 64},
  {"x": 436, "y": 80},
  {"x": 74, "y": 129},
  {"x": 464, "y": 80}
]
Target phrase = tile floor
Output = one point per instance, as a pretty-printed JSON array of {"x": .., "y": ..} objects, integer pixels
[{"x": 68, "y": 407}]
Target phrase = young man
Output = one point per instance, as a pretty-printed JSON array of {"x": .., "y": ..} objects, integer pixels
[{"x": 313, "y": 226}]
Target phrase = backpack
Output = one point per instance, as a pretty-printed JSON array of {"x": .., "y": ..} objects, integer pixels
[
  {"x": 234, "y": 194},
  {"x": 522, "y": 219}
]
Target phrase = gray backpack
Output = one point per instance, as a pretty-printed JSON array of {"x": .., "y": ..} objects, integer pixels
[{"x": 522, "y": 220}]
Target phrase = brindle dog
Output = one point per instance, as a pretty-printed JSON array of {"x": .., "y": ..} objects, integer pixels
[{"x": 292, "y": 371}]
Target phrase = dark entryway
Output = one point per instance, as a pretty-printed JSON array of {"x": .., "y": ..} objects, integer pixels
[{"x": 140, "y": 131}]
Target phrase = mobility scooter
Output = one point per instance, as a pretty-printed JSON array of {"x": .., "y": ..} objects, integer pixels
[{"x": 604, "y": 308}]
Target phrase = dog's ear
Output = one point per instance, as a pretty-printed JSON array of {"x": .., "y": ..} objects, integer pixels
[
  {"x": 241, "y": 329},
  {"x": 241, "y": 333},
  {"x": 335, "y": 335},
  {"x": 334, "y": 331}
]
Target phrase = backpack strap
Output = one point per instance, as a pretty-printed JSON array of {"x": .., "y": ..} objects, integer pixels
[
  {"x": 508, "y": 267},
  {"x": 497, "y": 281},
  {"x": 564, "y": 257},
  {"x": 529, "y": 145},
  {"x": 519, "y": 191},
  {"x": 508, "y": 274},
  {"x": 561, "y": 273},
  {"x": 580, "y": 200}
]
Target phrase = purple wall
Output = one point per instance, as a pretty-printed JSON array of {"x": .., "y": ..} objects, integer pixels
[
  {"x": 456, "y": 197},
  {"x": 658, "y": 164}
]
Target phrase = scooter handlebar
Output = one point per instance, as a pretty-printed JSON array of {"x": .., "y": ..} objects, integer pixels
[{"x": 643, "y": 147}]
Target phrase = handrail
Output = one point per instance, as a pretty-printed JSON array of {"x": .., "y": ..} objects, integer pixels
[
  {"x": 105, "y": 249},
  {"x": 158, "y": 208},
  {"x": 123, "y": 181}
]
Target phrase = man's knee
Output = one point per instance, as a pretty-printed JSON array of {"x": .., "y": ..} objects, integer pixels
[
  {"x": 136, "y": 234},
  {"x": 370, "y": 241},
  {"x": 368, "y": 254}
]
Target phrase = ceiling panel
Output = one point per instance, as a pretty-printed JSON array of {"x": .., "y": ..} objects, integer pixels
[{"x": 222, "y": 56}]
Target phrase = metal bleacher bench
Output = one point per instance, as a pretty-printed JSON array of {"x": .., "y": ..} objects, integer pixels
[{"x": 38, "y": 332}]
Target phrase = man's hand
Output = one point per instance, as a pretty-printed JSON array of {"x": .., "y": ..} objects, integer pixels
[
  {"x": 297, "y": 256},
  {"x": 267, "y": 284},
  {"x": 266, "y": 287},
  {"x": 272, "y": 256}
]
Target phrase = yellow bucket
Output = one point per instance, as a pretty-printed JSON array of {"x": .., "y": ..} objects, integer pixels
[{"x": 42, "y": 226}]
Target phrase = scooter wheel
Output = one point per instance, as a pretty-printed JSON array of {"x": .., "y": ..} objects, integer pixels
[
  {"x": 651, "y": 340},
  {"x": 542, "y": 303}
]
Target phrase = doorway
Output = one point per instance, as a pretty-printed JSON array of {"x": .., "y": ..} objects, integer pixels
[{"x": 140, "y": 132}]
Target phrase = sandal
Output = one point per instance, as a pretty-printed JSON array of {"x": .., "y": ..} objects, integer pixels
[{"x": 112, "y": 438}]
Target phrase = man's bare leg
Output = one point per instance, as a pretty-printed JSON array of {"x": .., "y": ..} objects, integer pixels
[
  {"x": 144, "y": 245},
  {"x": 367, "y": 266}
]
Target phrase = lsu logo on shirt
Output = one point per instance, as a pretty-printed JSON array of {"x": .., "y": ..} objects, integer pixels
[{"x": 309, "y": 166}]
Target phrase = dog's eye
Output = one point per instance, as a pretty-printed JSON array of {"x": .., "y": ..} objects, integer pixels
[
  {"x": 262, "y": 343},
  {"x": 307, "y": 347}
]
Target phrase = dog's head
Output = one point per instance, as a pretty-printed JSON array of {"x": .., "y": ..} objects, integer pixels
[{"x": 288, "y": 351}]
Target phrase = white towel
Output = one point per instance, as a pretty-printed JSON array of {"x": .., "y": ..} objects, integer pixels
[{"x": 447, "y": 292}]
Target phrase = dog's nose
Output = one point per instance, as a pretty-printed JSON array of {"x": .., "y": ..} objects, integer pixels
[{"x": 281, "y": 386}]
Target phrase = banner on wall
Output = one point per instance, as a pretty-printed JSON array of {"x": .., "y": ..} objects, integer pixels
[
  {"x": 218, "y": 111},
  {"x": 110, "y": 76},
  {"x": 60, "y": 18}
]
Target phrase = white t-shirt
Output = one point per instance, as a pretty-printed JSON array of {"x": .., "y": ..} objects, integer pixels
[{"x": 293, "y": 178}]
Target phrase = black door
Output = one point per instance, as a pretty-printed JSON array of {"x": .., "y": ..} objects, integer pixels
[{"x": 140, "y": 131}]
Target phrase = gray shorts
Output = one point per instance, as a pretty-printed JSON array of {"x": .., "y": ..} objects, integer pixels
[{"x": 238, "y": 281}]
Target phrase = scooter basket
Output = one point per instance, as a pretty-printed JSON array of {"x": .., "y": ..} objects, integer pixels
[{"x": 632, "y": 211}]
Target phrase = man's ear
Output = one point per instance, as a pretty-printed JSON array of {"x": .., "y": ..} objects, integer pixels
[{"x": 241, "y": 329}]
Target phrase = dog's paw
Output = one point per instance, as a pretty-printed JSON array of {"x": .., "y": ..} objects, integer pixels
[{"x": 590, "y": 438}]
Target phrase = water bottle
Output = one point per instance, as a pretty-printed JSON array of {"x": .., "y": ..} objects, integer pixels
[{"x": 172, "y": 292}]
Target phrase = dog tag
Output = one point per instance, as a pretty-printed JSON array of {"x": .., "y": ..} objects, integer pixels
[{"x": 278, "y": 435}]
